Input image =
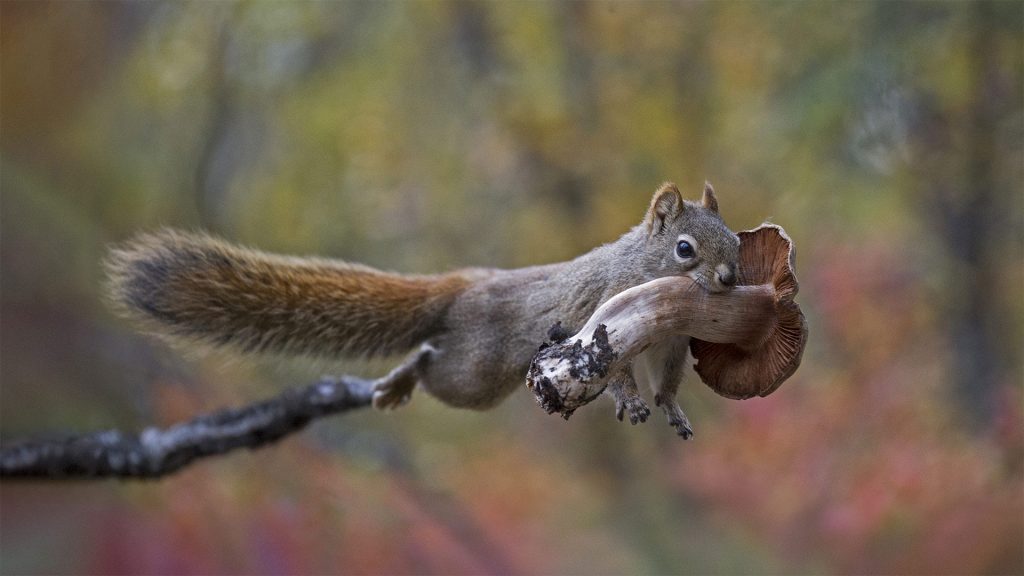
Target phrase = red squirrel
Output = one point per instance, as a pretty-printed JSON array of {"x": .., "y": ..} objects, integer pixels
[{"x": 473, "y": 331}]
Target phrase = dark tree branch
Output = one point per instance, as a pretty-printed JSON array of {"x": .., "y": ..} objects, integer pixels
[{"x": 155, "y": 453}]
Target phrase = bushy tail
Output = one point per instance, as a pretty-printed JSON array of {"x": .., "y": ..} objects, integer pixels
[{"x": 200, "y": 289}]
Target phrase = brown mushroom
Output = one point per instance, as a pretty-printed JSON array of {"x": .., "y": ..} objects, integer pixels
[
  {"x": 757, "y": 368},
  {"x": 750, "y": 338}
]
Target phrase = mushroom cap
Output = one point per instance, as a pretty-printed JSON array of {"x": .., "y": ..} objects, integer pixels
[{"x": 734, "y": 371}]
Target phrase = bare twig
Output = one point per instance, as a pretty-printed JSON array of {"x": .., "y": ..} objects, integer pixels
[{"x": 155, "y": 452}]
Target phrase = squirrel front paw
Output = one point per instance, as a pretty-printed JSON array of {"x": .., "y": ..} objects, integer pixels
[
  {"x": 682, "y": 426},
  {"x": 676, "y": 417},
  {"x": 623, "y": 390},
  {"x": 634, "y": 406}
]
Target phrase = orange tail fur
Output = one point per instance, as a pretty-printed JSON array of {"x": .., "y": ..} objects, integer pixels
[{"x": 200, "y": 289}]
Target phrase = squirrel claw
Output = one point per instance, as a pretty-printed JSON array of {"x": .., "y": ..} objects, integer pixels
[
  {"x": 677, "y": 418},
  {"x": 389, "y": 400},
  {"x": 635, "y": 406},
  {"x": 681, "y": 423},
  {"x": 622, "y": 389}
]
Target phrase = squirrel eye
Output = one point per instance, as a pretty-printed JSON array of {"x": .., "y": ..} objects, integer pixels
[{"x": 684, "y": 249}]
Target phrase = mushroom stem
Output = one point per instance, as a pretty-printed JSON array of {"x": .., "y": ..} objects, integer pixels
[
  {"x": 746, "y": 341},
  {"x": 570, "y": 373},
  {"x": 642, "y": 315}
]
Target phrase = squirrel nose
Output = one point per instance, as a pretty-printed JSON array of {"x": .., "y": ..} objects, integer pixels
[{"x": 727, "y": 277}]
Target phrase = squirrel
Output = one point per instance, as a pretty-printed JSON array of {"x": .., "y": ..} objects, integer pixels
[{"x": 472, "y": 331}]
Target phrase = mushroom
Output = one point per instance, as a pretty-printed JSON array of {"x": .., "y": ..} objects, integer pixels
[
  {"x": 748, "y": 368},
  {"x": 746, "y": 341}
]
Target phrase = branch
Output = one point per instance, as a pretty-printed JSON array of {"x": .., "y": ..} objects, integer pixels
[{"x": 155, "y": 453}]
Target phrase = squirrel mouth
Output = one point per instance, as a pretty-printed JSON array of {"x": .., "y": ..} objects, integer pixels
[{"x": 708, "y": 283}]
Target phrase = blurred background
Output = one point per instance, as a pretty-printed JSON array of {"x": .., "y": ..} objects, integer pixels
[{"x": 885, "y": 137}]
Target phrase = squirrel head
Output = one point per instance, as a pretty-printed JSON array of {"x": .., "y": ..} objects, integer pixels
[{"x": 690, "y": 239}]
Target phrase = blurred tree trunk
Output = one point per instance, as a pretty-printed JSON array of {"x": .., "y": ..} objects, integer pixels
[
  {"x": 44, "y": 88},
  {"x": 694, "y": 76},
  {"x": 216, "y": 163},
  {"x": 972, "y": 236},
  {"x": 970, "y": 213}
]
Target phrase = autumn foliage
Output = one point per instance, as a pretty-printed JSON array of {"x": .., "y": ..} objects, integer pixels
[{"x": 424, "y": 136}]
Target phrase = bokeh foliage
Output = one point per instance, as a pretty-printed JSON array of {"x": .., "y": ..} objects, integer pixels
[{"x": 420, "y": 136}]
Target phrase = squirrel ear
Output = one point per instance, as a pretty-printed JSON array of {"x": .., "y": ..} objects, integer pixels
[
  {"x": 666, "y": 206},
  {"x": 708, "y": 200}
]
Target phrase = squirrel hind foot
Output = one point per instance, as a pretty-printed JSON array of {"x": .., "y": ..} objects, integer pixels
[
  {"x": 395, "y": 389},
  {"x": 389, "y": 397}
]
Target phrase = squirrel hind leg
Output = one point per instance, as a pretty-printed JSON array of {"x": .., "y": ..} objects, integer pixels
[{"x": 395, "y": 389}]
